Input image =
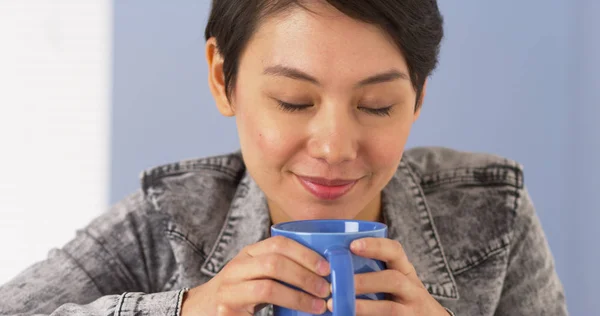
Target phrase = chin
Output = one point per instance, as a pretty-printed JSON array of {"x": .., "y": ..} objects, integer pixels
[{"x": 310, "y": 212}]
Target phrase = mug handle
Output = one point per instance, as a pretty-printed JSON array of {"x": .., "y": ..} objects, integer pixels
[{"x": 342, "y": 281}]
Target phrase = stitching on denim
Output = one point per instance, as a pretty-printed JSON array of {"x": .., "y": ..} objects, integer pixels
[
  {"x": 208, "y": 266},
  {"x": 140, "y": 248},
  {"x": 428, "y": 187},
  {"x": 516, "y": 203},
  {"x": 112, "y": 259},
  {"x": 66, "y": 253},
  {"x": 227, "y": 171},
  {"x": 508, "y": 180},
  {"x": 481, "y": 260},
  {"x": 416, "y": 172},
  {"x": 434, "y": 290},
  {"x": 419, "y": 195},
  {"x": 152, "y": 196},
  {"x": 429, "y": 182},
  {"x": 188, "y": 166},
  {"x": 469, "y": 174},
  {"x": 515, "y": 214},
  {"x": 505, "y": 243},
  {"x": 506, "y": 165},
  {"x": 120, "y": 304},
  {"x": 180, "y": 301},
  {"x": 149, "y": 178},
  {"x": 509, "y": 175},
  {"x": 216, "y": 161},
  {"x": 173, "y": 234},
  {"x": 451, "y": 313}
]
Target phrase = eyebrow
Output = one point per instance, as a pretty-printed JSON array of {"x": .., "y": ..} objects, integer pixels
[{"x": 298, "y": 74}]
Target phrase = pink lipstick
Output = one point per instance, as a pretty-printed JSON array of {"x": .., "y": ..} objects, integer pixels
[{"x": 326, "y": 189}]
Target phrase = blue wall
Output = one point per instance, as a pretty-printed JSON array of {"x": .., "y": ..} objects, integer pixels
[
  {"x": 582, "y": 253},
  {"x": 516, "y": 78},
  {"x": 162, "y": 108}
]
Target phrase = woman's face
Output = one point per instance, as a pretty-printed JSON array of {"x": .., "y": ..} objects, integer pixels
[{"x": 324, "y": 106}]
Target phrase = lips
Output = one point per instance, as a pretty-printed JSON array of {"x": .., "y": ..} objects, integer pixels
[{"x": 326, "y": 189}]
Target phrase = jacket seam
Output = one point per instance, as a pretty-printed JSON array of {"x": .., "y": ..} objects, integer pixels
[
  {"x": 138, "y": 243},
  {"x": 481, "y": 260},
  {"x": 78, "y": 265},
  {"x": 489, "y": 166},
  {"x": 152, "y": 200},
  {"x": 211, "y": 265},
  {"x": 511, "y": 179},
  {"x": 516, "y": 203},
  {"x": 174, "y": 234},
  {"x": 191, "y": 164},
  {"x": 512, "y": 232},
  {"x": 150, "y": 177},
  {"x": 179, "y": 301},
  {"x": 514, "y": 179},
  {"x": 422, "y": 206},
  {"x": 465, "y": 181},
  {"x": 120, "y": 304},
  {"x": 113, "y": 260}
]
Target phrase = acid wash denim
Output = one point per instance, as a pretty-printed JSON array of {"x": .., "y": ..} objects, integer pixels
[{"x": 465, "y": 220}]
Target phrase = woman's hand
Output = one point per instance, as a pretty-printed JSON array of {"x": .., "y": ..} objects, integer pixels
[
  {"x": 408, "y": 295},
  {"x": 249, "y": 281}
]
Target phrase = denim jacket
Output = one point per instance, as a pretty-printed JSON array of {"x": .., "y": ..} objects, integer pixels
[{"x": 465, "y": 221}]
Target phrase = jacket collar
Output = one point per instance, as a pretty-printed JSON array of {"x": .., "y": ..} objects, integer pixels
[{"x": 405, "y": 211}]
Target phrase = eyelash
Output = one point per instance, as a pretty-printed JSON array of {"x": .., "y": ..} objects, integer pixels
[{"x": 289, "y": 107}]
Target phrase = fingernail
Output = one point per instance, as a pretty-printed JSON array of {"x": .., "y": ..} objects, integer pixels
[
  {"x": 323, "y": 267},
  {"x": 323, "y": 288},
  {"x": 318, "y": 306},
  {"x": 357, "y": 245}
]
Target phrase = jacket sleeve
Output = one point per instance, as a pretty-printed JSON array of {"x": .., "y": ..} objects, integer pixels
[
  {"x": 104, "y": 270},
  {"x": 531, "y": 285}
]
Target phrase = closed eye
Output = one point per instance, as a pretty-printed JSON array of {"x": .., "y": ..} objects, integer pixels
[
  {"x": 379, "y": 111},
  {"x": 291, "y": 107}
]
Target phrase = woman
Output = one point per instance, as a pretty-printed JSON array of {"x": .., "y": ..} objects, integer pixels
[{"x": 324, "y": 94}]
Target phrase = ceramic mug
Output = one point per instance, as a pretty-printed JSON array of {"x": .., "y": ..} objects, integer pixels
[{"x": 331, "y": 239}]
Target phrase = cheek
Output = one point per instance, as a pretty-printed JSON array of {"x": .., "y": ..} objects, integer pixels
[
  {"x": 386, "y": 147},
  {"x": 265, "y": 138},
  {"x": 269, "y": 141}
]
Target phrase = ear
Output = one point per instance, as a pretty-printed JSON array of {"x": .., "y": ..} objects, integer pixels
[
  {"x": 216, "y": 78},
  {"x": 421, "y": 100}
]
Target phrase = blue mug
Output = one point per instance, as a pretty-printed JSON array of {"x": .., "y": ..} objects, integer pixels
[{"x": 331, "y": 239}]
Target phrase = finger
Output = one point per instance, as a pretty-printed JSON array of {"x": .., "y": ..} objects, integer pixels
[
  {"x": 251, "y": 293},
  {"x": 375, "y": 308},
  {"x": 293, "y": 250},
  {"x": 387, "y": 250},
  {"x": 372, "y": 308},
  {"x": 278, "y": 267},
  {"x": 387, "y": 281}
]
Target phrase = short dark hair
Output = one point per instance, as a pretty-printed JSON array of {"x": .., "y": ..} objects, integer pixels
[{"x": 416, "y": 26}]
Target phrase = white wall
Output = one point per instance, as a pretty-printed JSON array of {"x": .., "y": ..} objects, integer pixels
[{"x": 54, "y": 123}]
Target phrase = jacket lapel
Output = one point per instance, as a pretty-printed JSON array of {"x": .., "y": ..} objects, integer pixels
[
  {"x": 410, "y": 222},
  {"x": 247, "y": 222}
]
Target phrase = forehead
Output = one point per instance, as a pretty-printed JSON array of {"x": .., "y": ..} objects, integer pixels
[{"x": 322, "y": 41}]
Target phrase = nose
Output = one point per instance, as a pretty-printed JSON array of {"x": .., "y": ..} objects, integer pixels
[{"x": 333, "y": 135}]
